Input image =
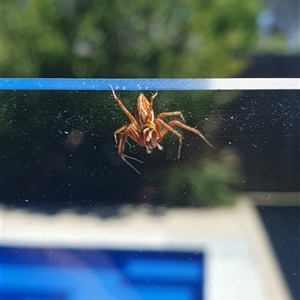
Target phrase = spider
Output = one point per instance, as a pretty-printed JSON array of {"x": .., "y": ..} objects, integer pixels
[{"x": 148, "y": 130}]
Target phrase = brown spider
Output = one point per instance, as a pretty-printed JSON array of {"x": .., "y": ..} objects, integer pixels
[{"x": 147, "y": 130}]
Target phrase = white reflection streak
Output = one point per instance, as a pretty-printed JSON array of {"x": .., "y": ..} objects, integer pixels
[
  {"x": 13, "y": 152},
  {"x": 254, "y": 84}
]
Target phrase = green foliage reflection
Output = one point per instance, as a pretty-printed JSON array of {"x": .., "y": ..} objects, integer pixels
[{"x": 55, "y": 38}]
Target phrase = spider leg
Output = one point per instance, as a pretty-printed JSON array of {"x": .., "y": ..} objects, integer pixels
[
  {"x": 133, "y": 158},
  {"x": 129, "y": 131},
  {"x": 116, "y": 140},
  {"x": 127, "y": 142},
  {"x": 159, "y": 146},
  {"x": 171, "y": 114},
  {"x": 119, "y": 131},
  {"x": 189, "y": 128},
  {"x": 169, "y": 127},
  {"x": 126, "y": 111},
  {"x": 124, "y": 158},
  {"x": 151, "y": 100}
]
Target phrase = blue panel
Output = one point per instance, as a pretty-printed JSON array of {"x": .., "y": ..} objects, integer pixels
[
  {"x": 164, "y": 269},
  {"x": 174, "y": 292},
  {"x": 68, "y": 274}
]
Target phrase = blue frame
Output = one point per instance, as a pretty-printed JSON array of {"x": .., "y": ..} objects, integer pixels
[{"x": 149, "y": 84}]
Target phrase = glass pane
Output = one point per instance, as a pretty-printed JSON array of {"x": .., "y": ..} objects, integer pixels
[{"x": 150, "y": 225}]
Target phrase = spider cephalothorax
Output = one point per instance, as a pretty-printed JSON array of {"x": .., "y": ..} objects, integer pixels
[{"x": 148, "y": 130}]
